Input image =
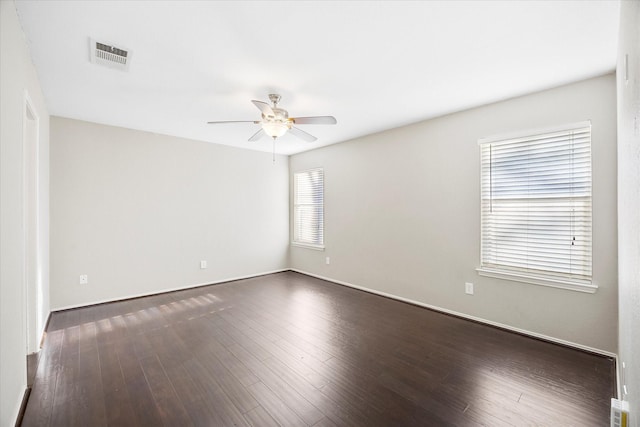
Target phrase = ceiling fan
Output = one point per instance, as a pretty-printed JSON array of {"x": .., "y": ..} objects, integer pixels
[{"x": 275, "y": 121}]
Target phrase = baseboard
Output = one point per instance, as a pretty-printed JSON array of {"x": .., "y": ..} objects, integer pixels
[
  {"x": 44, "y": 331},
  {"x": 618, "y": 384},
  {"x": 469, "y": 317},
  {"x": 23, "y": 406},
  {"x": 164, "y": 291}
]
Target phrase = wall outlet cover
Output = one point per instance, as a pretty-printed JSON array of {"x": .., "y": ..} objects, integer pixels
[{"x": 468, "y": 288}]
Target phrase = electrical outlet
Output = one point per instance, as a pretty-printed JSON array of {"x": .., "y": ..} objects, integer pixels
[
  {"x": 84, "y": 279},
  {"x": 328, "y": 260},
  {"x": 203, "y": 264},
  {"x": 468, "y": 288}
]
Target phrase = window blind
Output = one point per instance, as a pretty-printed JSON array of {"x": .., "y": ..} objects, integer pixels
[
  {"x": 536, "y": 203},
  {"x": 308, "y": 207}
]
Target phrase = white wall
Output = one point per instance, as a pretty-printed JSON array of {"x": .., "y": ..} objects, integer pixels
[
  {"x": 629, "y": 202},
  {"x": 17, "y": 75},
  {"x": 137, "y": 211},
  {"x": 402, "y": 215}
]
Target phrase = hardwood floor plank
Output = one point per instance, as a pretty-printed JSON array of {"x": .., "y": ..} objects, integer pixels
[
  {"x": 349, "y": 409},
  {"x": 169, "y": 405},
  {"x": 240, "y": 337},
  {"x": 194, "y": 402},
  {"x": 110, "y": 372},
  {"x": 216, "y": 398},
  {"x": 236, "y": 392},
  {"x": 111, "y": 329},
  {"x": 90, "y": 394},
  {"x": 362, "y": 387},
  {"x": 325, "y": 422},
  {"x": 42, "y": 394},
  {"x": 258, "y": 417},
  {"x": 287, "y": 394},
  {"x": 280, "y": 326},
  {"x": 67, "y": 381},
  {"x": 40, "y": 406},
  {"x": 276, "y": 408},
  {"x": 241, "y": 373},
  {"x": 330, "y": 404},
  {"x": 309, "y": 368},
  {"x": 117, "y": 403},
  {"x": 137, "y": 388},
  {"x": 265, "y": 349},
  {"x": 168, "y": 346}
]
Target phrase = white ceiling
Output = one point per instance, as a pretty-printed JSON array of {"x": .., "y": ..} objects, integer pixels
[{"x": 374, "y": 65}]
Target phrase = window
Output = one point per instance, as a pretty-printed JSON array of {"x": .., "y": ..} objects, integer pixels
[
  {"x": 308, "y": 208},
  {"x": 536, "y": 207}
]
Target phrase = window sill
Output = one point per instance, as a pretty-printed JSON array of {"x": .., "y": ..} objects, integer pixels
[
  {"x": 308, "y": 246},
  {"x": 571, "y": 285}
]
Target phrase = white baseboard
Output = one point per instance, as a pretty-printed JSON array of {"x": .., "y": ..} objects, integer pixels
[
  {"x": 618, "y": 385},
  {"x": 179, "y": 288},
  {"x": 469, "y": 317},
  {"x": 16, "y": 409}
]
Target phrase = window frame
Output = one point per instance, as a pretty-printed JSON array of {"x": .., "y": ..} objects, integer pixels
[
  {"x": 294, "y": 240},
  {"x": 549, "y": 278}
]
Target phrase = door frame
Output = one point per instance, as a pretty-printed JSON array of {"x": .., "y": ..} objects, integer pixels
[{"x": 32, "y": 272}]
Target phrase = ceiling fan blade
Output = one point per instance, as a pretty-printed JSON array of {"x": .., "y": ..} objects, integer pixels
[
  {"x": 302, "y": 134},
  {"x": 256, "y": 136},
  {"x": 264, "y": 107},
  {"x": 232, "y": 121},
  {"x": 317, "y": 120}
]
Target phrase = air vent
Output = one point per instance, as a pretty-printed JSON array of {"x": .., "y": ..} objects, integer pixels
[{"x": 109, "y": 55}]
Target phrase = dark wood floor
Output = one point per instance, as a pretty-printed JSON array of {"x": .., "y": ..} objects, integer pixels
[{"x": 291, "y": 350}]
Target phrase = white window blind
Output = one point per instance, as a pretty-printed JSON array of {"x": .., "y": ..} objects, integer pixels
[
  {"x": 308, "y": 205},
  {"x": 536, "y": 204}
]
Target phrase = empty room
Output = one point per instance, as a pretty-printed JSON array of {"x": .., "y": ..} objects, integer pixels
[{"x": 319, "y": 213}]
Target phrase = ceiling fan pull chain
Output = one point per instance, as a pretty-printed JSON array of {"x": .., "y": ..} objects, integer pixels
[{"x": 274, "y": 151}]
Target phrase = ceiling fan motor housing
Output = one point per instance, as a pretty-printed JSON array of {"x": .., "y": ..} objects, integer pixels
[{"x": 280, "y": 115}]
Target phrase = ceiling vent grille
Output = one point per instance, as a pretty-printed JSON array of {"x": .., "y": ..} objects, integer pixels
[{"x": 110, "y": 56}]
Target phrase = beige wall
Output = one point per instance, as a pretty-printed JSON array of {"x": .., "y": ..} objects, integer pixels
[
  {"x": 137, "y": 211},
  {"x": 17, "y": 77},
  {"x": 402, "y": 215},
  {"x": 629, "y": 203}
]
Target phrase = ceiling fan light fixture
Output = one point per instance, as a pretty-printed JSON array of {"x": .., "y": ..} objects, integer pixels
[{"x": 275, "y": 129}]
